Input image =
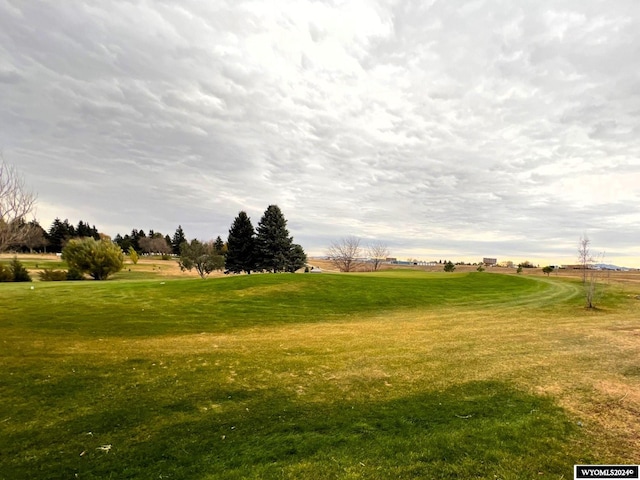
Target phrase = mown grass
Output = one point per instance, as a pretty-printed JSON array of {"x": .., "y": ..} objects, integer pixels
[{"x": 403, "y": 375}]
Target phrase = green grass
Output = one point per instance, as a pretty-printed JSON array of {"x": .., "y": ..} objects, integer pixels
[
  {"x": 389, "y": 375},
  {"x": 184, "y": 306}
]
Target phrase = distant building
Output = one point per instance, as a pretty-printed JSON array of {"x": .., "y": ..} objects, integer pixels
[{"x": 490, "y": 261}]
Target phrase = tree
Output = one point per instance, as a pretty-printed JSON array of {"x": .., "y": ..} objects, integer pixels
[
  {"x": 84, "y": 230},
  {"x": 154, "y": 244},
  {"x": 201, "y": 256},
  {"x": 377, "y": 253},
  {"x": 241, "y": 255},
  {"x": 297, "y": 258},
  {"x": 585, "y": 259},
  {"x": 59, "y": 234},
  {"x": 449, "y": 266},
  {"x": 548, "y": 269},
  {"x": 273, "y": 243},
  {"x": 36, "y": 237},
  {"x": 589, "y": 273},
  {"x": 177, "y": 240},
  {"x": 219, "y": 245},
  {"x": 98, "y": 258},
  {"x": 16, "y": 203},
  {"x": 344, "y": 253}
]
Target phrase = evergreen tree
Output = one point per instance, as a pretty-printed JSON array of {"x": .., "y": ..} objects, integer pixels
[
  {"x": 177, "y": 240},
  {"x": 218, "y": 244},
  {"x": 59, "y": 233},
  {"x": 241, "y": 245},
  {"x": 19, "y": 272},
  {"x": 136, "y": 236},
  {"x": 84, "y": 230},
  {"x": 297, "y": 258},
  {"x": 123, "y": 242},
  {"x": 273, "y": 243}
]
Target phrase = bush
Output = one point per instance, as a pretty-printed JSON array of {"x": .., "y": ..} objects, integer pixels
[
  {"x": 74, "y": 274},
  {"x": 133, "y": 255},
  {"x": 20, "y": 274},
  {"x": 98, "y": 258},
  {"x": 5, "y": 274},
  {"x": 50, "y": 275}
]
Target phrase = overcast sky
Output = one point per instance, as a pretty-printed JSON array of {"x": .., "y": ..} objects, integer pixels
[{"x": 446, "y": 129}]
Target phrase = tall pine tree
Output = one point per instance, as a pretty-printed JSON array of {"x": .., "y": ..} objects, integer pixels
[
  {"x": 273, "y": 243},
  {"x": 219, "y": 246},
  {"x": 177, "y": 240},
  {"x": 59, "y": 233},
  {"x": 241, "y": 246}
]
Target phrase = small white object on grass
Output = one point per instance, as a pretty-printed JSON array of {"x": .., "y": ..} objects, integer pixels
[{"x": 32, "y": 287}]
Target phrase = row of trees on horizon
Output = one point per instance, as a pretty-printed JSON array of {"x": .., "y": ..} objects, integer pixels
[{"x": 269, "y": 247}]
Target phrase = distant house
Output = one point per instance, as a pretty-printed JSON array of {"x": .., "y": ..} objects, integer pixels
[{"x": 490, "y": 261}]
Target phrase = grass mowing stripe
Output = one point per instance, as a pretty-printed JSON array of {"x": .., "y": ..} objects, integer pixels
[{"x": 189, "y": 306}]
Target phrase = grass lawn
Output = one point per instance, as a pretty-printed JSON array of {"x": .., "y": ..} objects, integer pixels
[{"x": 388, "y": 375}]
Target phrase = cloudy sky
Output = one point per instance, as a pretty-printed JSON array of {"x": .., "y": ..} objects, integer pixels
[{"x": 446, "y": 129}]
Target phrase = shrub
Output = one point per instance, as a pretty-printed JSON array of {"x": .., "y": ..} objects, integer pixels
[
  {"x": 5, "y": 274},
  {"x": 74, "y": 274},
  {"x": 133, "y": 255},
  {"x": 98, "y": 258},
  {"x": 449, "y": 266},
  {"x": 50, "y": 275},
  {"x": 20, "y": 274}
]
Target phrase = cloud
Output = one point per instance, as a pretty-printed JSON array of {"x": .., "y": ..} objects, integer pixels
[{"x": 429, "y": 125}]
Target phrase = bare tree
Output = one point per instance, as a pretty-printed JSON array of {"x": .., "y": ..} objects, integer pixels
[
  {"x": 16, "y": 202},
  {"x": 377, "y": 253},
  {"x": 344, "y": 253},
  {"x": 35, "y": 236},
  {"x": 584, "y": 256},
  {"x": 156, "y": 244},
  {"x": 590, "y": 274}
]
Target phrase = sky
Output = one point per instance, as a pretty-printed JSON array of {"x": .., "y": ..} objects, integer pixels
[{"x": 444, "y": 129}]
